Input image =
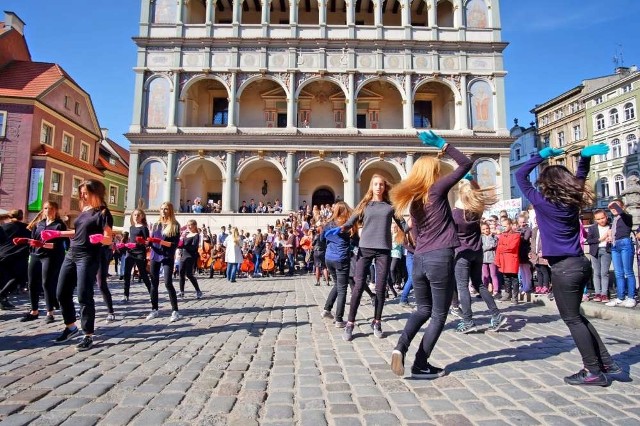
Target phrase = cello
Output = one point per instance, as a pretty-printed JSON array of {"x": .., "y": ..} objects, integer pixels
[
  {"x": 247, "y": 264},
  {"x": 204, "y": 260},
  {"x": 268, "y": 264},
  {"x": 218, "y": 260}
]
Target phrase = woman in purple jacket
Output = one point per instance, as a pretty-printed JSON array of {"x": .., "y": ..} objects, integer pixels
[
  {"x": 557, "y": 203},
  {"x": 424, "y": 193}
]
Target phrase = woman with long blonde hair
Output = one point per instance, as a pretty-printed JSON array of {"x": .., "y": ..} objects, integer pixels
[
  {"x": 374, "y": 213},
  {"x": 45, "y": 261},
  {"x": 165, "y": 235},
  {"x": 424, "y": 194},
  {"x": 233, "y": 254},
  {"x": 467, "y": 216},
  {"x": 93, "y": 231}
]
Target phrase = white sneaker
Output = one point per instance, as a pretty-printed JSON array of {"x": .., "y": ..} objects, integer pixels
[
  {"x": 175, "y": 316},
  {"x": 153, "y": 314},
  {"x": 629, "y": 303},
  {"x": 110, "y": 318},
  {"x": 614, "y": 302}
]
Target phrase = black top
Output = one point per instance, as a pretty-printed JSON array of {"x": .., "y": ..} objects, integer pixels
[
  {"x": 58, "y": 243},
  {"x": 319, "y": 244},
  {"x": 140, "y": 250},
  {"x": 90, "y": 222},
  {"x": 13, "y": 229},
  {"x": 190, "y": 246},
  {"x": 623, "y": 223},
  {"x": 468, "y": 230}
]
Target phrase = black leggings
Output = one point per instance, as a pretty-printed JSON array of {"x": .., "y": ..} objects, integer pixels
[
  {"x": 43, "y": 276},
  {"x": 544, "y": 276},
  {"x": 167, "y": 268},
  {"x": 101, "y": 278},
  {"x": 13, "y": 272},
  {"x": 141, "y": 264},
  {"x": 186, "y": 270},
  {"x": 365, "y": 257}
]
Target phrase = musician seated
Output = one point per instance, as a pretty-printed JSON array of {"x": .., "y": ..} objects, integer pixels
[
  {"x": 217, "y": 254},
  {"x": 268, "y": 260}
]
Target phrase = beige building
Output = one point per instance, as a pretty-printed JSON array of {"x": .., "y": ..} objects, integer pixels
[{"x": 306, "y": 100}]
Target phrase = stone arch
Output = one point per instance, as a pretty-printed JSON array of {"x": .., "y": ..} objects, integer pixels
[
  {"x": 320, "y": 103},
  {"x": 157, "y": 100},
  {"x": 250, "y": 177},
  {"x": 481, "y": 104},
  {"x": 250, "y": 164},
  {"x": 200, "y": 177},
  {"x": 371, "y": 162},
  {"x": 259, "y": 77},
  {"x": 150, "y": 159},
  {"x": 437, "y": 105},
  {"x": 152, "y": 183},
  {"x": 485, "y": 177},
  {"x": 444, "y": 81},
  {"x": 201, "y": 77},
  {"x": 264, "y": 104},
  {"x": 476, "y": 14},
  {"x": 310, "y": 162},
  {"x": 386, "y": 79},
  {"x": 389, "y": 169},
  {"x": 332, "y": 175},
  {"x": 334, "y": 80},
  {"x": 185, "y": 164}
]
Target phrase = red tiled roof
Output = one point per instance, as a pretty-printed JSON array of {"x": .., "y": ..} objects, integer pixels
[
  {"x": 118, "y": 168},
  {"x": 47, "y": 151},
  {"x": 122, "y": 151},
  {"x": 29, "y": 79}
]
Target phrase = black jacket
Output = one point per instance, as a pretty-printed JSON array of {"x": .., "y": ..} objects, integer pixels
[{"x": 593, "y": 239}]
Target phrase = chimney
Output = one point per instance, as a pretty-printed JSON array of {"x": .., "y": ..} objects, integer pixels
[
  {"x": 622, "y": 70},
  {"x": 105, "y": 133},
  {"x": 11, "y": 20}
]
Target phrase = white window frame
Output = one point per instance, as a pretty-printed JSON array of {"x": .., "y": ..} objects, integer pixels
[
  {"x": 75, "y": 192},
  {"x": 626, "y": 88},
  {"x": 598, "y": 100},
  {"x": 577, "y": 132},
  {"x": 629, "y": 111},
  {"x": 114, "y": 200},
  {"x": 618, "y": 183},
  {"x": 70, "y": 152},
  {"x": 614, "y": 116},
  {"x": 87, "y": 160},
  {"x": 603, "y": 183},
  {"x": 616, "y": 148},
  {"x": 632, "y": 144},
  {"x": 3, "y": 124},
  {"x": 600, "y": 123},
  {"x": 44, "y": 123},
  {"x": 60, "y": 184},
  {"x": 561, "y": 139}
]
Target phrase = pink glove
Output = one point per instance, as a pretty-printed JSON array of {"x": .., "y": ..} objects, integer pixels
[
  {"x": 49, "y": 234},
  {"x": 119, "y": 246},
  {"x": 154, "y": 240},
  {"x": 20, "y": 241},
  {"x": 130, "y": 245},
  {"x": 140, "y": 240},
  {"x": 36, "y": 243},
  {"x": 180, "y": 243},
  {"x": 96, "y": 238}
]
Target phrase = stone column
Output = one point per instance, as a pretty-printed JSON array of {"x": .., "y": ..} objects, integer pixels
[
  {"x": 351, "y": 103},
  {"x": 408, "y": 162},
  {"x": 266, "y": 8},
  {"x": 170, "y": 176},
  {"x": 293, "y": 17},
  {"x": 322, "y": 12},
  {"x": 351, "y": 18},
  {"x": 377, "y": 13},
  {"x": 174, "y": 97},
  {"x": 288, "y": 196},
  {"x": 179, "y": 18},
  {"x": 499, "y": 106},
  {"x": 138, "y": 104},
  {"x": 458, "y": 10},
  {"x": 145, "y": 18},
  {"x": 350, "y": 189},
  {"x": 291, "y": 101},
  {"x": 233, "y": 101},
  {"x": 505, "y": 172},
  {"x": 407, "y": 104},
  {"x": 228, "y": 205},
  {"x": 210, "y": 16},
  {"x": 431, "y": 13},
  {"x": 132, "y": 195},
  {"x": 463, "y": 110},
  {"x": 235, "y": 18}
]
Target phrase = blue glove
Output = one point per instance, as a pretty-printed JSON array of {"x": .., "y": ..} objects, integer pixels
[
  {"x": 332, "y": 231},
  {"x": 597, "y": 149},
  {"x": 468, "y": 177},
  {"x": 431, "y": 139},
  {"x": 549, "y": 152}
]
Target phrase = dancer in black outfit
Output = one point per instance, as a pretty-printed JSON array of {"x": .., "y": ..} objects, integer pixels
[
  {"x": 14, "y": 256},
  {"x": 137, "y": 255},
  {"x": 189, "y": 243}
]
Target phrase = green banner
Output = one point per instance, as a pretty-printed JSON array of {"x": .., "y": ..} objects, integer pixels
[{"x": 36, "y": 186}]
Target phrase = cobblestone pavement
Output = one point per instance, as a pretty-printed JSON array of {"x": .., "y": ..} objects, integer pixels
[{"x": 259, "y": 352}]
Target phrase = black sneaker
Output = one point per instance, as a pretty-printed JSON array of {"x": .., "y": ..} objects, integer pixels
[
  {"x": 29, "y": 317},
  {"x": 612, "y": 368},
  {"x": 85, "y": 344},
  {"x": 6, "y": 305},
  {"x": 428, "y": 372},
  {"x": 397, "y": 363},
  {"x": 49, "y": 319},
  {"x": 584, "y": 377},
  {"x": 67, "y": 334},
  {"x": 377, "y": 329}
]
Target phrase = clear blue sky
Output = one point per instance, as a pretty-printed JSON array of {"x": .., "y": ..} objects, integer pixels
[{"x": 554, "y": 44}]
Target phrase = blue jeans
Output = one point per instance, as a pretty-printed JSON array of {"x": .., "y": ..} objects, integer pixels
[
  {"x": 622, "y": 256},
  {"x": 404, "y": 297},
  {"x": 232, "y": 271},
  {"x": 570, "y": 276},
  {"x": 433, "y": 284}
]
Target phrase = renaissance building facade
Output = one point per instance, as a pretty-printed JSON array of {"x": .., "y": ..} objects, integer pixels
[{"x": 303, "y": 101}]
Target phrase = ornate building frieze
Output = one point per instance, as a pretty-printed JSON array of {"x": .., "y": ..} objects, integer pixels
[{"x": 145, "y": 154}]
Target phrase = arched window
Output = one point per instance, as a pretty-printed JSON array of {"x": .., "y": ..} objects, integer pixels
[
  {"x": 444, "y": 14},
  {"x": 599, "y": 122},
  {"x": 629, "y": 111},
  {"x": 613, "y": 117},
  {"x": 618, "y": 182},
  {"x": 634, "y": 173},
  {"x": 632, "y": 144},
  {"x": 604, "y": 187},
  {"x": 616, "y": 148}
]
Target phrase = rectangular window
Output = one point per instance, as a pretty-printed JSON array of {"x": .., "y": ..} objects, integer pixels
[
  {"x": 577, "y": 134},
  {"x": 67, "y": 143},
  {"x": 113, "y": 194},
  {"x": 56, "y": 182},
  {"x": 46, "y": 134},
  {"x": 560, "y": 138},
  {"x": 626, "y": 88},
  {"x": 220, "y": 111},
  {"x": 84, "y": 152},
  {"x": 282, "y": 120},
  {"x": 598, "y": 100},
  {"x": 66, "y": 102},
  {"x": 75, "y": 192},
  {"x": 422, "y": 114},
  {"x": 361, "y": 121},
  {"x": 3, "y": 124},
  {"x": 77, "y": 108}
]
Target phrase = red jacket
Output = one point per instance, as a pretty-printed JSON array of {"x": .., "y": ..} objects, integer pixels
[{"x": 507, "y": 252}]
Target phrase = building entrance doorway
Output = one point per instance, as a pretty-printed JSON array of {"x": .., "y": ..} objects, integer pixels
[{"x": 322, "y": 196}]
